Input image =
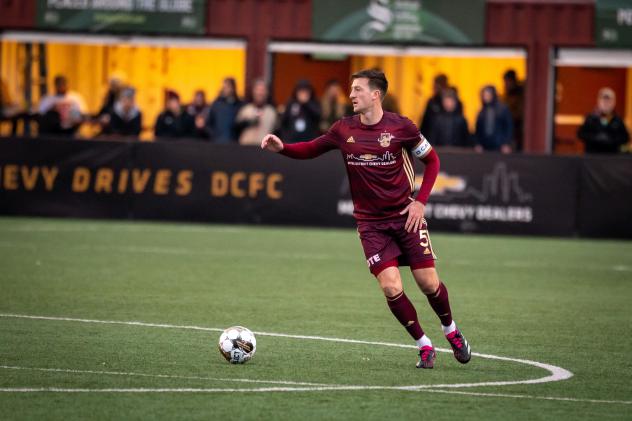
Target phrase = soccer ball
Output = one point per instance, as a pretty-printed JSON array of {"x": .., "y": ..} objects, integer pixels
[{"x": 237, "y": 344}]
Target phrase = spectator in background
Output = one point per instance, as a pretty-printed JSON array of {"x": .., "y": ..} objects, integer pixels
[
  {"x": 125, "y": 119},
  {"x": 221, "y": 119},
  {"x": 301, "y": 118},
  {"x": 61, "y": 114},
  {"x": 199, "y": 111},
  {"x": 514, "y": 99},
  {"x": 434, "y": 106},
  {"x": 258, "y": 117},
  {"x": 390, "y": 103},
  {"x": 494, "y": 126},
  {"x": 450, "y": 127},
  {"x": 333, "y": 105},
  {"x": 115, "y": 86},
  {"x": 10, "y": 109},
  {"x": 603, "y": 130},
  {"x": 173, "y": 123}
]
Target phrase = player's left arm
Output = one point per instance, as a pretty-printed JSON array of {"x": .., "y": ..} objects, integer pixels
[{"x": 416, "y": 209}]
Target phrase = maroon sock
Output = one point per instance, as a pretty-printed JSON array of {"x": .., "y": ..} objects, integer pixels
[
  {"x": 405, "y": 312},
  {"x": 441, "y": 305}
]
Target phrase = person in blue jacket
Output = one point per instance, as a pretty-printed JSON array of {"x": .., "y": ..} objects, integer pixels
[{"x": 494, "y": 125}]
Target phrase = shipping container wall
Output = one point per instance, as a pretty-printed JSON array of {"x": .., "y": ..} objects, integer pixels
[
  {"x": 17, "y": 14},
  {"x": 259, "y": 21},
  {"x": 540, "y": 27}
]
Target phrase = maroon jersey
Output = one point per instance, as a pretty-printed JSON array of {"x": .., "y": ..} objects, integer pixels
[{"x": 378, "y": 161}]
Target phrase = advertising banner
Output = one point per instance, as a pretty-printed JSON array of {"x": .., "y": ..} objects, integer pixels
[
  {"x": 605, "y": 202},
  {"x": 495, "y": 193},
  {"x": 613, "y": 23},
  {"x": 198, "y": 181},
  {"x": 187, "y": 181},
  {"x": 129, "y": 16},
  {"x": 458, "y": 22}
]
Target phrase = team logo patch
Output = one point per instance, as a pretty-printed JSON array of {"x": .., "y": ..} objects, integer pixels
[{"x": 385, "y": 139}]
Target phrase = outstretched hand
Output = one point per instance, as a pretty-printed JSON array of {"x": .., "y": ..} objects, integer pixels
[
  {"x": 271, "y": 143},
  {"x": 415, "y": 210}
]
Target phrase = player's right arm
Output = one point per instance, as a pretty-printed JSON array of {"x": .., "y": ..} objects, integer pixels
[{"x": 301, "y": 150}]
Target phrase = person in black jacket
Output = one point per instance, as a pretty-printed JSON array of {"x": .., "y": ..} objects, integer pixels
[
  {"x": 450, "y": 127},
  {"x": 301, "y": 118},
  {"x": 125, "y": 119},
  {"x": 434, "y": 106},
  {"x": 173, "y": 122},
  {"x": 603, "y": 130}
]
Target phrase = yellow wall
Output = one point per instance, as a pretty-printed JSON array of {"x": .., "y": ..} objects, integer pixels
[
  {"x": 11, "y": 71},
  {"x": 410, "y": 79},
  {"x": 151, "y": 70}
]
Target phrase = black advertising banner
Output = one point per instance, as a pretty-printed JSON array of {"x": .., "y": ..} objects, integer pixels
[
  {"x": 499, "y": 193},
  {"x": 198, "y": 181},
  {"x": 605, "y": 203},
  {"x": 459, "y": 22},
  {"x": 60, "y": 178},
  {"x": 496, "y": 193},
  {"x": 129, "y": 16},
  {"x": 188, "y": 181},
  {"x": 229, "y": 183},
  {"x": 613, "y": 23}
]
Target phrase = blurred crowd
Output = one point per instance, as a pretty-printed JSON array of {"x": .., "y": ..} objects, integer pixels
[{"x": 230, "y": 119}]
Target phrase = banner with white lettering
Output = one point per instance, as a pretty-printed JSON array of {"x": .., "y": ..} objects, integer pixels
[
  {"x": 459, "y": 22},
  {"x": 129, "y": 16},
  {"x": 613, "y": 23},
  {"x": 495, "y": 193},
  {"x": 198, "y": 181}
]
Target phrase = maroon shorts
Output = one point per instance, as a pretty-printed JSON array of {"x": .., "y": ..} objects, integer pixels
[{"x": 387, "y": 243}]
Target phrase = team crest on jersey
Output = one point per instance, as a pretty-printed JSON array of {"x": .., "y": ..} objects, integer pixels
[{"x": 385, "y": 139}]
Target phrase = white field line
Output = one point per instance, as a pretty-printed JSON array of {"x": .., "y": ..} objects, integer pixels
[
  {"x": 556, "y": 373},
  {"x": 298, "y": 389},
  {"x": 162, "y": 376},
  {"x": 181, "y": 251},
  {"x": 126, "y": 249},
  {"x": 206, "y": 229}
]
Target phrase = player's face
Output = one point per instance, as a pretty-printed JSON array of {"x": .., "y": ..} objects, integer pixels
[{"x": 362, "y": 97}]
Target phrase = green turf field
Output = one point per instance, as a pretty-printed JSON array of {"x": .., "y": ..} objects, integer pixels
[{"x": 565, "y": 303}]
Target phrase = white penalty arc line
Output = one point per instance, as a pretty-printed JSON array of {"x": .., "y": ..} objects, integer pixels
[
  {"x": 556, "y": 373},
  {"x": 161, "y": 376}
]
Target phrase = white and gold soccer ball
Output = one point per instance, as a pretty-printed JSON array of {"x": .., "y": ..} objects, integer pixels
[{"x": 237, "y": 344}]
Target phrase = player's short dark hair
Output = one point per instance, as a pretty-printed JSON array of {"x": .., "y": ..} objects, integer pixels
[{"x": 377, "y": 80}]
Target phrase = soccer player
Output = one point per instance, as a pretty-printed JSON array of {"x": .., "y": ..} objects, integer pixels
[{"x": 376, "y": 147}]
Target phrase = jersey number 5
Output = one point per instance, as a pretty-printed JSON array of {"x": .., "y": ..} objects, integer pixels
[{"x": 424, "y": 237}]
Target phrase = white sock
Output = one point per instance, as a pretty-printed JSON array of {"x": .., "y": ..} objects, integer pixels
[
  {"x": 423, "y": 341},
  {"x": 449, "y": 329}
]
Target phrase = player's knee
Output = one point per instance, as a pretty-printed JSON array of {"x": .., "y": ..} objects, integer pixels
[
  {"x": 390, "y": 282},
  {"x": 429, "y": 286},
  {"x": 427, "y": 279},
  {"x": 391, "y": 290}
]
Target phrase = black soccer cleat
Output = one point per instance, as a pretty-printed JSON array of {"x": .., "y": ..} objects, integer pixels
[
  {"x": 427, "y": 357},
  {"x": 460, "y": 346}
]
